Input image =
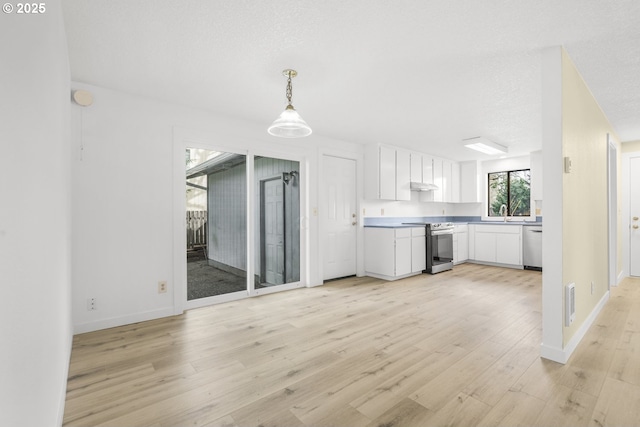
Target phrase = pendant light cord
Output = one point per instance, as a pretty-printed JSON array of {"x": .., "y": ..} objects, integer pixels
[{"x": 289, "y": 88}]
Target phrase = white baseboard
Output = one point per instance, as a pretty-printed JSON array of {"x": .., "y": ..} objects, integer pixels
[
  {"x": 97, "y": 325},
  {"x": 562, "y": 355},
  {"x": 620, "y": 278}
]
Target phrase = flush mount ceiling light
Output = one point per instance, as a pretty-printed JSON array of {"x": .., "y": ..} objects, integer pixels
[
  {"x": 289, "y": 124},
  {"x": 485, "y": 146}
]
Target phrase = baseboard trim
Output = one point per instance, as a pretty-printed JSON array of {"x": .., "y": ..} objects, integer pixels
[
  {"x": 97, "y": 325},
  {"x": 562, "y": 355}
]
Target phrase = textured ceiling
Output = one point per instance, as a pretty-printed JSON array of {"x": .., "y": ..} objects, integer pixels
[{"x": 422, "y": 74}]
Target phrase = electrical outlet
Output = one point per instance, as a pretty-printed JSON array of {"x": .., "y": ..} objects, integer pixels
[
  {"x": 91, "y": 304},
  {"x": 382, "y": 212},
  {"x": 593, "y": 288},
  {"x": 162, "y": 286}
]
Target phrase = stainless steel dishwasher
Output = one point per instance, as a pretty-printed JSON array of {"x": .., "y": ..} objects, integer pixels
[{"x": 532, "y": 247}]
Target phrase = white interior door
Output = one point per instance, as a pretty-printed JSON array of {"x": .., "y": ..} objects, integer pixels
[
  {"x": 274, "y": 231},
  {"x": 634, "y": 212},
  {"x": 340, "y": 217}
]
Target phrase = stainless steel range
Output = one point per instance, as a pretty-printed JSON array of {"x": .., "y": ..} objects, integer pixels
[{"x": 439, "y": 241}]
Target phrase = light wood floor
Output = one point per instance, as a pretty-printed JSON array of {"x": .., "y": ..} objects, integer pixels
[{"x": 457, "y": 348}]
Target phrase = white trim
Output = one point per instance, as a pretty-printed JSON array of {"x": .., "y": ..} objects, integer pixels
[
  {"x": 626, "y": 207},
  {"x": 122, "y": 320},
  {"x": 552, "y": 172},
  {"x": 562, "y": 355},
  {"x": 612, "y": 210}
]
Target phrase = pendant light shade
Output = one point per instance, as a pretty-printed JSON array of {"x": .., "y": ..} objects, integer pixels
[{"x": 289, "y": 124}]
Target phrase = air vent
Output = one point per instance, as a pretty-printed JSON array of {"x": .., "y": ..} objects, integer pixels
[{"x": 569, "y": 304}]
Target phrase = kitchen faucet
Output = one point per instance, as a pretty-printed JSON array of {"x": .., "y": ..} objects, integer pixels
[{"x": 503, "y": 211}]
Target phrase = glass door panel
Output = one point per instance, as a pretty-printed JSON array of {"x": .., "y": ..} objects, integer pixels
[
  {"x": 216, "y": 191},
  {"x": 277, "y": 222}
]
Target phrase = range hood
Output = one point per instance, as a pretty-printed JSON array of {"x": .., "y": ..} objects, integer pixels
[{"x": 419, "y": 186}]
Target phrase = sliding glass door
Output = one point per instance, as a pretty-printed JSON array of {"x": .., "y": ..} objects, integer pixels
[{"x": 223, "y": 190}]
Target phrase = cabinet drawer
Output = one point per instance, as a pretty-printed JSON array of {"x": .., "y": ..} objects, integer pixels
[
  {"x": 504, "y": 229},
  {"x": 403, "y": 232},
  {"x": 460, "y": 228},
  {"x": 419, "y": 231}
]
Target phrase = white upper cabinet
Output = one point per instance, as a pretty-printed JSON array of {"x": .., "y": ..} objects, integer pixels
[
  {"x": 438, "y": 195},
  {"x": 536, "y": 175},
  {"x": 387, "y": 173},
  {"x": 470, "y": 182},
  {"x": 403, "y": 175},
  {"x": 446, "y": 175},
  {"x": 455, "y": 182},
  {"x": 416, "y": 167},
  {"x": 427, "y": 169}
]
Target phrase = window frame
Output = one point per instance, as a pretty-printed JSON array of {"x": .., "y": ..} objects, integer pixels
[{"x": 488, "y": 198}]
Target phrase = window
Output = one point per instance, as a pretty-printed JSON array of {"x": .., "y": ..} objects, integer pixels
[{"x": 511, "y": 189}]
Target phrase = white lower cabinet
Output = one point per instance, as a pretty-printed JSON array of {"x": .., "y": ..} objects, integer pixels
[
  {"x": 496, "y": 244},
  {"x": 460, "y": 243},
  {"x": 389, "y": 252},
  {"x": 418, "y": 250}
]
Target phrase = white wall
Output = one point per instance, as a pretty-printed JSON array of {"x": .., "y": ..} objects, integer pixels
[
  {"x": 34, "y": 218},
  {"x": 573, "y": 126},
  {"x": 124, "y": 200}
]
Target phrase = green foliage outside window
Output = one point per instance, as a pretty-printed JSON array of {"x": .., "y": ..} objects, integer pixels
[{"x": 511, "y": 189}]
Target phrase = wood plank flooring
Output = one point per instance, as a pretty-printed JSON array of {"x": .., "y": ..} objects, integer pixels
[{"x": 457, "y": 348}]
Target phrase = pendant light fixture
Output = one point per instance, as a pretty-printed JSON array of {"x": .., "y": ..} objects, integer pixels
[{"x": 289, "y": 124}]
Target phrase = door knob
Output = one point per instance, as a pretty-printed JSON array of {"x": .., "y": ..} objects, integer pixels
[
  {"x": 355, "y": 222},
  {"x": 635, "y": 226},
  {"x": 635, "y": 218},
  {"x": 354, "y": 215}
]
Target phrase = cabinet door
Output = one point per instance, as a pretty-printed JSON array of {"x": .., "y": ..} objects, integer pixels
[
  {"x": 403, "y": 175},
  {"x": 470, "y": 182},
  {"x": 463, "y": 246},
  {"x": 455, "y": 182},
  {"x": 387, "y": 175},
  {"x": 485, "y": 247},
  {"x": 508, "y": 249},
  {"x": 427, "y": 169},
  {"x": 403, "y": 256},
  {"x": 536, "y": 175},
  {"x": 418, "y": 254},
  {"x": 455, "y": 248},
  {"x": 438, "y": 195},
  {"x": 447, "y": 181},
  {"x": 416, "y": 167},
  {"x": 379, "y": 251}
]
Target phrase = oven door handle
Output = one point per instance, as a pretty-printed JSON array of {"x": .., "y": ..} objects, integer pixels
[{"x": 440, "y": 232}]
